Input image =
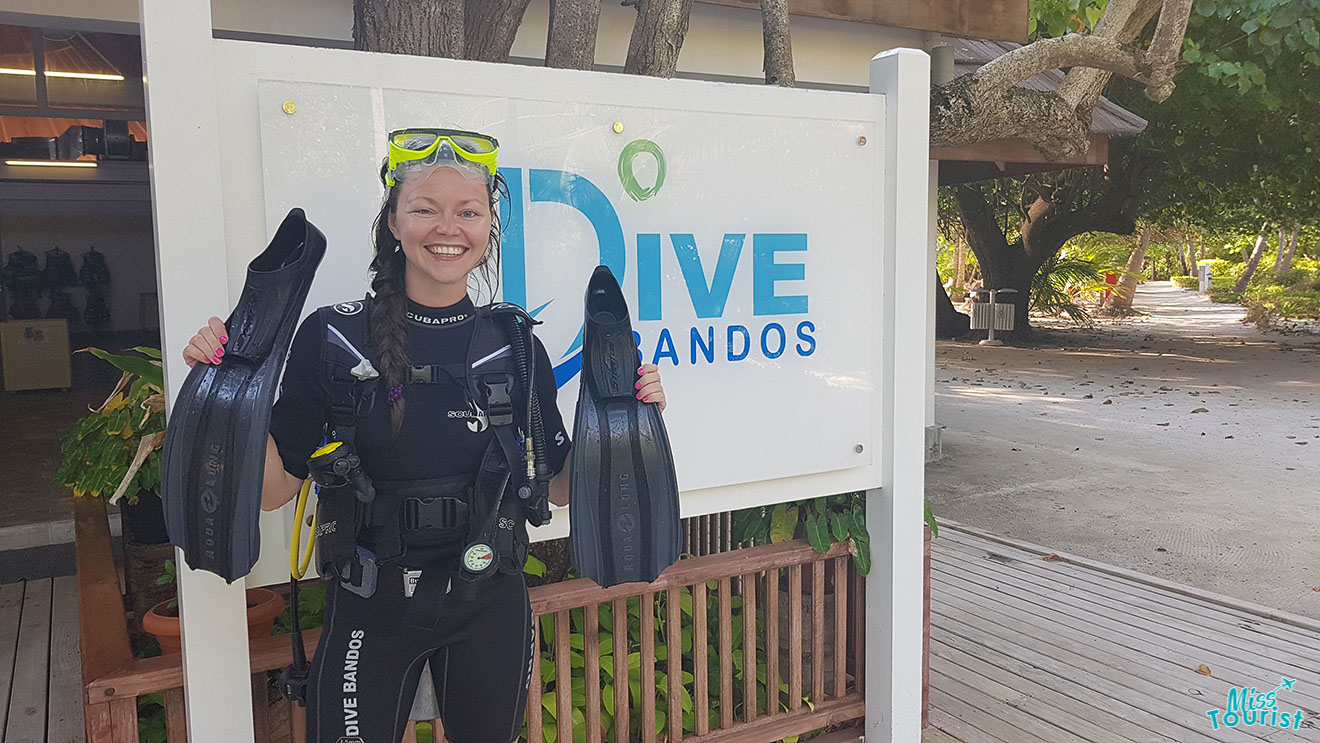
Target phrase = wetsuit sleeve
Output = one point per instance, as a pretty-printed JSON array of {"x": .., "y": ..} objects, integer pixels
[
  {"x": 297, "y": 422},
  {"x": 557, "y": 441}
]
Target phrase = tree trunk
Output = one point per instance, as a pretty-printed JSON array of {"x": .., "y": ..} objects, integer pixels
[
  {"x": 959, "y": 263},
  {"x": 778, "y": 44},
  {"x": 1285, "y": 261},
  {"x": 1191, "y": 257},
  {"x": 1182, "y": 257},
  {"x": 657, "y": 37},
  {"x": 430, "y": 28},
  {"x": 949, "y": 322},
  {"x": 1120, "y": 300},
  {"x": 571, "y": 43},
  {"x": 1254, "y": 260},
  {"x": 489, "y": 27}
]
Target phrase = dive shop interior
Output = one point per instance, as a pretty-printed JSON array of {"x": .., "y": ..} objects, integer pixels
[{"x": 77, "y": 267}]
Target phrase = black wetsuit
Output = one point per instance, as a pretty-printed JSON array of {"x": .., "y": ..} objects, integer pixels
[{"x": 368, "y": 661}]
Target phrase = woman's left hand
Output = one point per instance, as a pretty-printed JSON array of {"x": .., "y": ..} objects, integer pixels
[{"x": 649, "y": 388}]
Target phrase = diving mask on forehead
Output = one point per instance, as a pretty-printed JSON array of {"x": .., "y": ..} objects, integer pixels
[{"x": 421, "y": 147}]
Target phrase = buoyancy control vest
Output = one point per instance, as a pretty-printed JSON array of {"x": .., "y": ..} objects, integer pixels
[{"x": 489, "y": 510}]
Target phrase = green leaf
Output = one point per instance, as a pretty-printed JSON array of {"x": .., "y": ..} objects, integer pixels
[
  {"x": 534, "y": 566},
  {"x": 144, "y": 368},
  {"x": 817, "y": 534},
  {"x": 930, "y": 520},
  {"x": 783, "y": 523},
  {"x": 151, "y": 353},
  {"x": 838, "y": 526}
]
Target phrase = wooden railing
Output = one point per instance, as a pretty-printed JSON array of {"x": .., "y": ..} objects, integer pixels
[{"x": 799, "y": 614}]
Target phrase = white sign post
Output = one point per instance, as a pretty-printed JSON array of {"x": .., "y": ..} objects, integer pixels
[{"x": 767, "y": 241}]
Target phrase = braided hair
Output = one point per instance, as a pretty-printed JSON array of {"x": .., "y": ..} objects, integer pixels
[{"x": 388, "y": 329}]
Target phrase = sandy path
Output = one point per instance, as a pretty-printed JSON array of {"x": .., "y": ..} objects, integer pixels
[{"x": 1182, "y": 444}]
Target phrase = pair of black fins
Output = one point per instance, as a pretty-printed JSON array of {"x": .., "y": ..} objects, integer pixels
[
  {"x": 214, "y": 458},
  {"x": 624, "y": 518}
]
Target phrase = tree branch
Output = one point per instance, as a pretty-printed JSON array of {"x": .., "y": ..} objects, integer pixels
[
  {"x": 571, "y": 41},
  {"x": 984, "y": 235},
  {"x": 657, "y": 37},
  {"x": 778, "y": 44},
  {"x": 489, "y": 27}
]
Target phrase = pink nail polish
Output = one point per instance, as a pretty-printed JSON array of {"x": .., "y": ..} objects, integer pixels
[
  {"x": 639, "y": 396},
  {"x": 224, "y": 339},
  {"x": 641, "y": 370},
  {"x": 219, "y": 352},
  {"x": 637, "y": 386}
]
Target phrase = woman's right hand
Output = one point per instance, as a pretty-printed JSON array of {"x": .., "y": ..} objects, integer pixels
[{"x": 208, "y": 346}]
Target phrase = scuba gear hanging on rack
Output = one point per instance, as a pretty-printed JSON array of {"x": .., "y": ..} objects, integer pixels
[
  {"x": 59, "y": 269},
  {"x": 94, "y": 271}
]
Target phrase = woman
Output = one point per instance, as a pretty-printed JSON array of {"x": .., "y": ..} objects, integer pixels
[{"x": 421, "y": 439}]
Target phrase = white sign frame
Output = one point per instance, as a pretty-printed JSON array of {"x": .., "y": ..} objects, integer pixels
[{"x": 203, "y": 178}]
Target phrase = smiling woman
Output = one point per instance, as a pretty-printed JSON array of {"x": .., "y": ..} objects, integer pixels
[{"x": 440, "y": 413}]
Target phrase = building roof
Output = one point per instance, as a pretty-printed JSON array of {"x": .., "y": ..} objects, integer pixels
[{"x": 1108, "y": 118}]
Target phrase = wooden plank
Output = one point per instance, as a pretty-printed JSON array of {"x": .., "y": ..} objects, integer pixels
[
  {"x": 674, "y": 654},
  {"x": 176, "y": 717},
  {"x": 840, "y": 625},
  {"x": 1117, "y": 715},
  {"x": 1004, "y": 20},
  {"x": 935, "y": 735},
  {"x": 1301, "y": 643},
  {"x": 11, "y": 609},
  {"x": 648, "y": 669},
  {"x": 794, "y": 637},
  {"x": 27, "y": 707},
  {"x": 1021, "y": 151},
  {"x": 726, "y": 655},
  {"x": 700, "y": 660},
  {"x": 64, "y": 718},
  {"x": 859, "y": 629},
  {"x": 591, "y": 648},
  {"x": 1099, "y": 670},
  {"x": 1092, "y": 685},
  {"x": 1129, "y": 619},
  {"x": 575, "y": 593},
  {"x": 1094, "y": 629},
  {"x": 298, "y": 720},
  {"x": 772, "y": 642},
  {"x": 96, "y": 717},
  {"x": 1009, "y": 708},
  {"x": 1014, "y": 699},
  {"x": 102, "y": 637},
  {"x": 748, "y": 583},
  {"x": 260, "y": 708},
  {"x": 563, "y": 676},
  {"x": 535, "y": 716},
  {"x": 409, "y": 732},
  {"x": 123, "y": 721},
  {"x": 620, "y": 669},
  {"x": 805, "y": 720},
  {"x": 1001, "y": 730},
  {"x": 166, "y": 672},
  {"x": 1191, "y": 592},
  {"x": 952, "y": 726},
  {"x": 818, "y": 632}
]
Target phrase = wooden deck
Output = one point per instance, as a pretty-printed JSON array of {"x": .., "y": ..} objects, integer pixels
[
  {"x": 1028, "y": 650},
  {"x": 1023, "y": 650},
  {"x": 41, "y": 696}
]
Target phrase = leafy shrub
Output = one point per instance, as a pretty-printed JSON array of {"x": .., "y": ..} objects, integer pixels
[{"x": 1185, "y": 282}]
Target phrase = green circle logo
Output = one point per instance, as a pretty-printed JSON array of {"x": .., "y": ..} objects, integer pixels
[{"x": 629, "y": 180}]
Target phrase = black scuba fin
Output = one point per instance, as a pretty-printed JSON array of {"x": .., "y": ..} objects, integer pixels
[
  {"x": 624, "y": 495},
  {"x": 215, "y": 444}
]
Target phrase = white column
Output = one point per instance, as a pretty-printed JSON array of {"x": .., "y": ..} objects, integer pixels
[
  {"x": 894, "y": 512},
  {"x": 192, "y": 281}
]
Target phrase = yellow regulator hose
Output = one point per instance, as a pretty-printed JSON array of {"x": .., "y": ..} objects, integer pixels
[{"x": 298, "y": 567}]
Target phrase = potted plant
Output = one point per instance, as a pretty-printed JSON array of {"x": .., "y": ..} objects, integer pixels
[
  {"x": 114, "y": 453},
  {"x": 162, "y": 620}
]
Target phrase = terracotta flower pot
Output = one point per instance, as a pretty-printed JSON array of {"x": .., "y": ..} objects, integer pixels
[{"x": 263, "y": 605}]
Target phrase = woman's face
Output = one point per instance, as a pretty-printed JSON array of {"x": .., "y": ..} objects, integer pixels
[{"x": 443, "y": 221}]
